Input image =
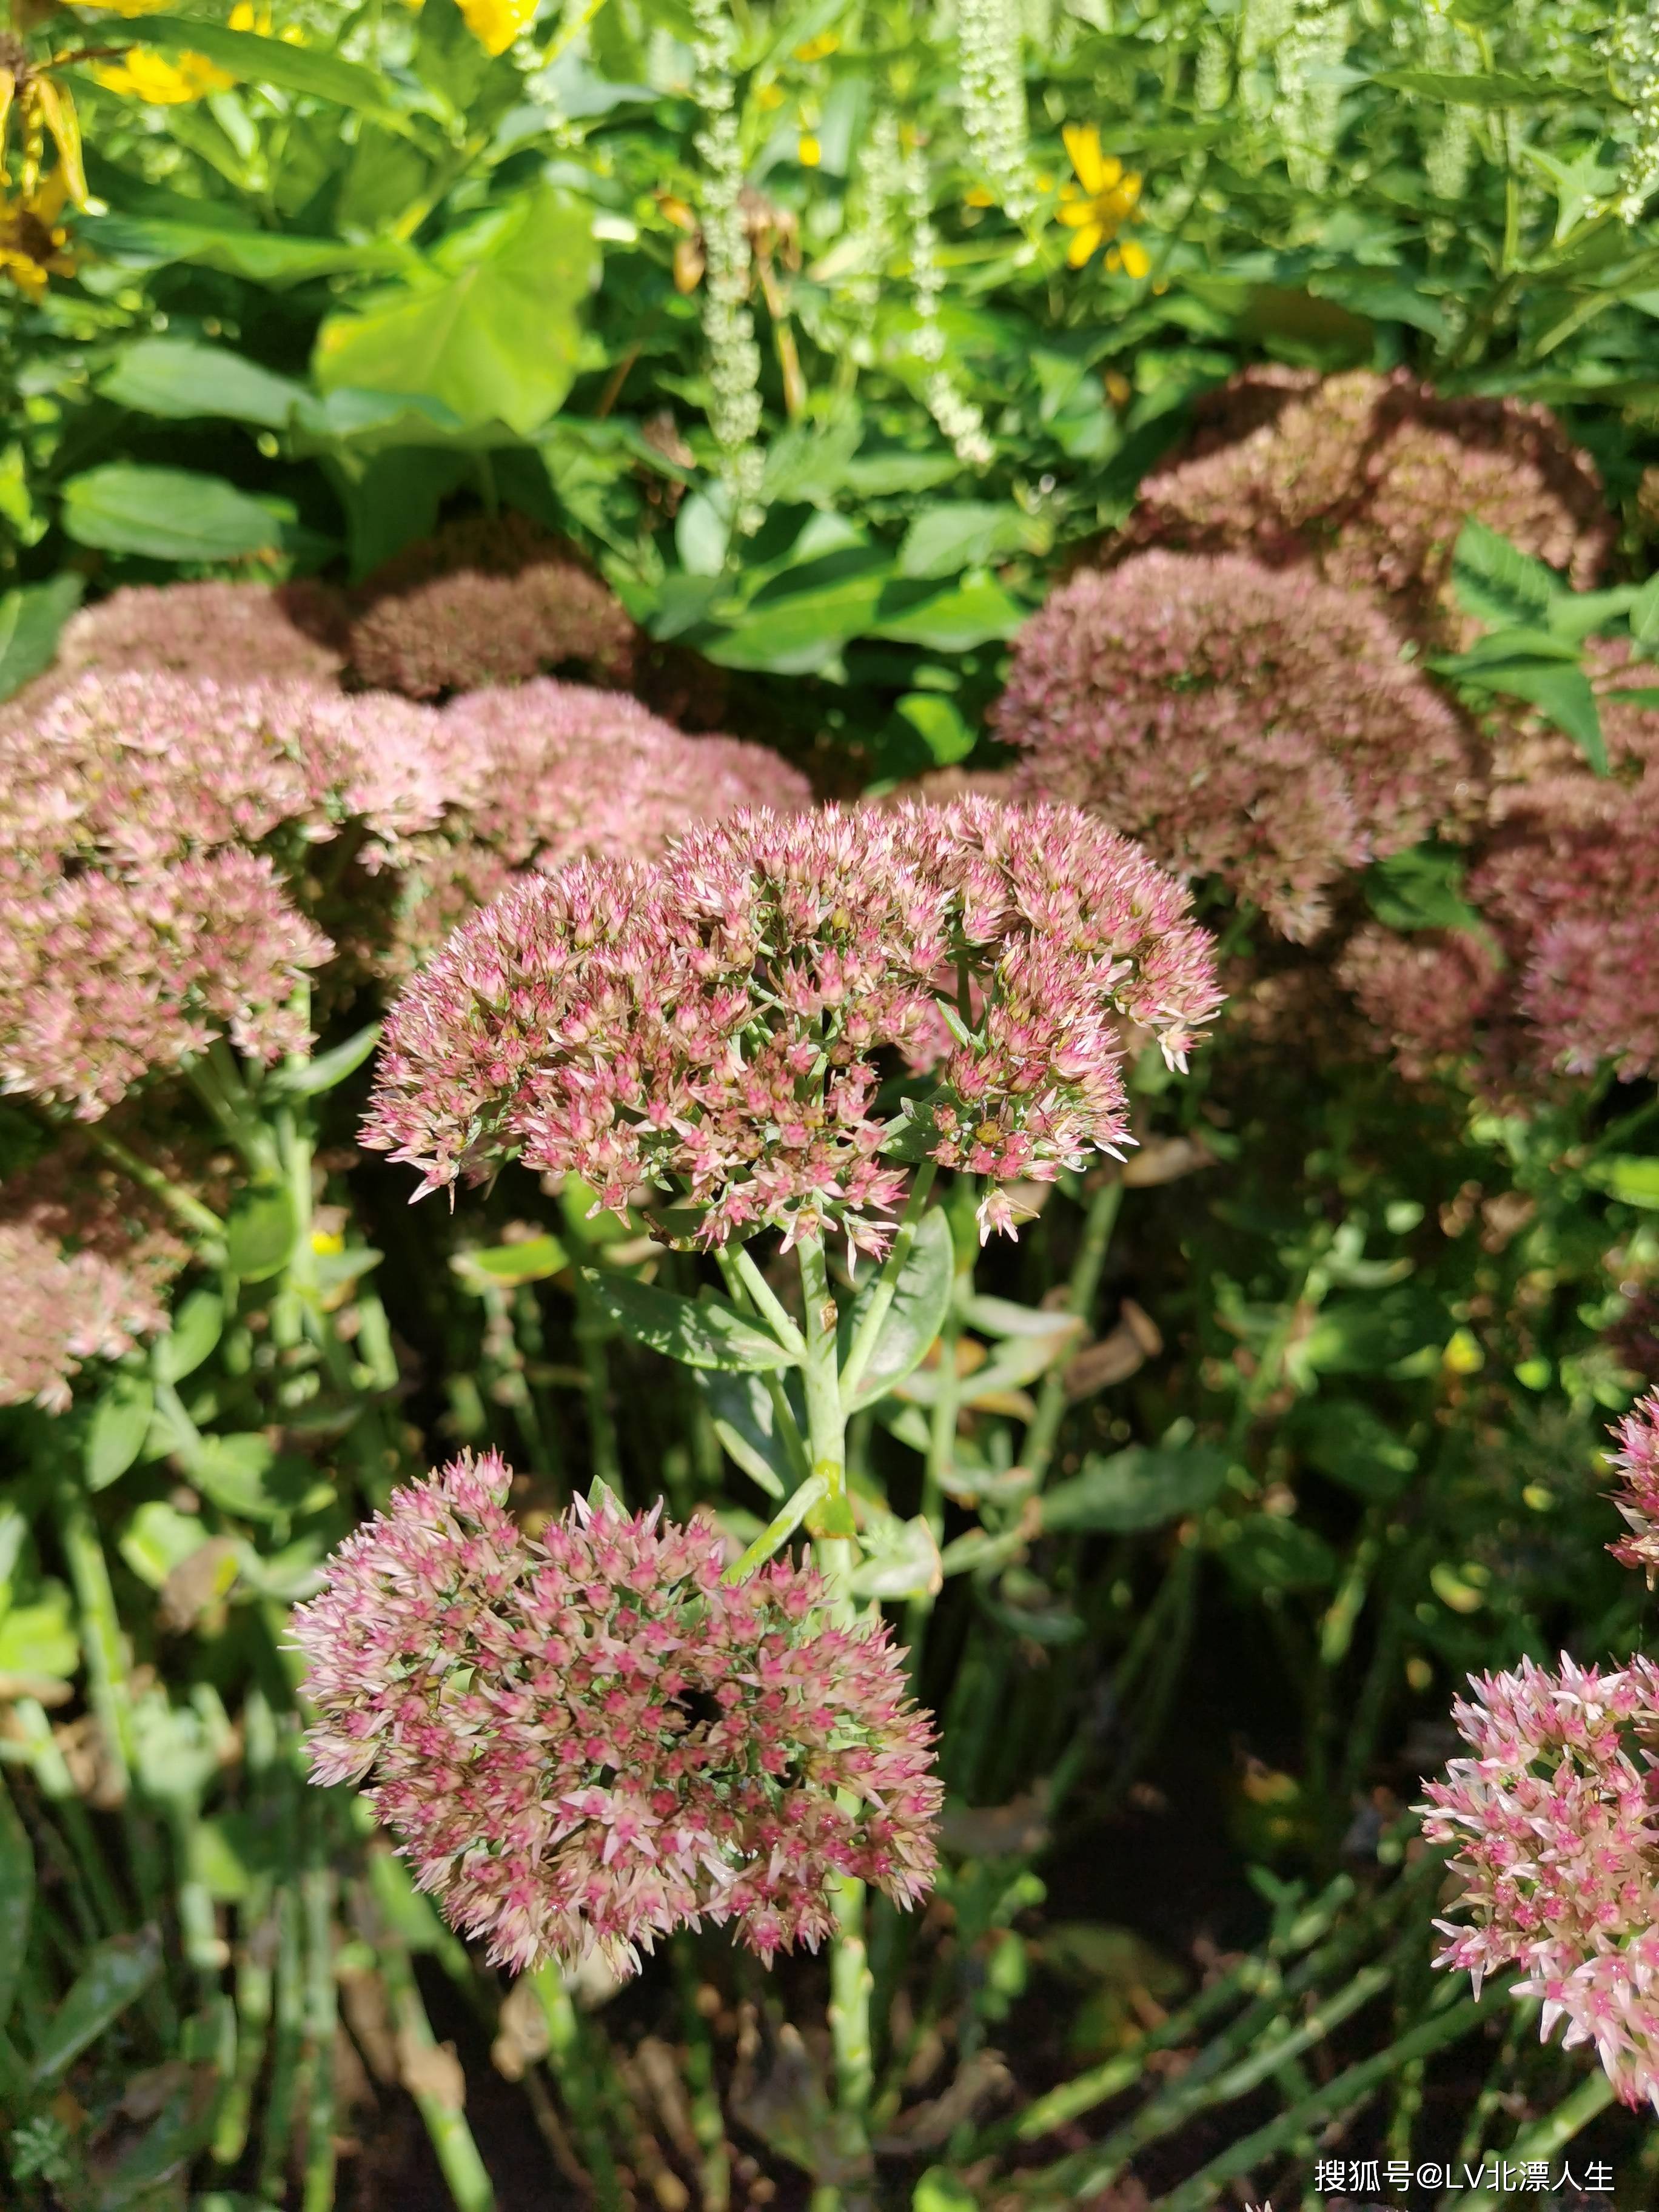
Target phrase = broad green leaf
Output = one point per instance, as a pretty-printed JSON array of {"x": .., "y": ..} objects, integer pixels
[
  {"x": 1141, "y": 1487},
  {"x": 37, "y": 1640},
  {"x": 256, "y": 60},
  {"x": 1268, "y": 1552},
  {"x": 196, "y": 1328},
  {"x": 799, "y": 632},
  {"x": 262, "y": 257},
  {"x": 697, "y": 1332},
  {"x": 1562, "y": 696},
  {"x": 1630, "y": 1178},
  {"x": 245, "y": 1474},
  {"x": 117, "y": 1973},
  {"x": 937, "y": 722},
  {"x": 181, "y": 378},
  {"x": 17, "y": 1898},
  {"x": 159, "y": 1537},
  {"x": 1644, "y": 615},
  {"x": 259, "y": 1233},
  {"x": 31, "y": 619},
  {"x": 952, "y": 622},
  {"x": 166, "y": 515},
  {"x": 313, "y": 1076},
  {"x": 1498, "y": 584},
  {"x": 1420, "y": 888},
  {"x": 913, "y": 1322},
  {"x": 967, "y": 533},
  {"x": 745, "y": 1421},
  {"x": 506, "y": 1266},
  {"x": 115, "y": 1434},
  {"x": 497, "y": 339}
]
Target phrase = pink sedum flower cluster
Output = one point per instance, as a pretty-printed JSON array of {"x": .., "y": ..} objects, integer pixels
[
  {"x": 716, "y": 1024},
  {"x": 1248, "y": 724},
  {"x": 86, "y": 1259},
  {"x": 587, "y": 1740},
  {"x": 231, "y": 633},
  {"x": 1370, "y": 478},
  {"x": 1564, "y": 875},
  {"x": 488, "y": 600},
  {"x": 1557, "y": 1836},
  {"x": 542, "y": 772},
  {"x": 1637, "y": 1495}
]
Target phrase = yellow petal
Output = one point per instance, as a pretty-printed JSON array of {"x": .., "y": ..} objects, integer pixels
[
  {"x": 126, "y": 7},
  {"x": 162, "y": 83},
  {"x": 1074, "y": 213},
  {"x": 56, "y": 110},
  {"x": 810, "y": 151},
  {"x": 1083, "y": 144},
  {"x": 1136, "y": 259},
  {"x": 496, "y": 23},
  {"x": 7, "y": 94},
  {"x": 977, "y": 197},
  {"x": 1114, "y": 261},
  {"x": 1085, "y": 244}
]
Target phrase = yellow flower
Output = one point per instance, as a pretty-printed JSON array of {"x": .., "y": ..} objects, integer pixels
[
  {"x": 125, "y": 7},
  {"x": 810, "y": 151},
  {"x": 159, "y": 83},
  {"x": 1106, "y": 202},
  {"x": 769, "y": 96},
  {"x": 827, "y": 42},
  {"x": 977, "y": 197},
  {"x": 243, "y": 17},
  {"x": 32, "y": 239},
  {"x": 496, "y": 23},
  {"x": 46, "y": 112}
]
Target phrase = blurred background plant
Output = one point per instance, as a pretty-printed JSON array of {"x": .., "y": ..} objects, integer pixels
[{"x": 445, "y": 420}]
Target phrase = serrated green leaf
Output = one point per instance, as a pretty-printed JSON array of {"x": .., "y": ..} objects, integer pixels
[
  {"x": 697, "y": 1332},
  {"x": 1498, "y": 584},
  {"x": 115, "y": 1434},
  {"x": 1492, "y": 89},
  {"x": 31, "y": 619},
  {"x": 1420, "y": 888}
]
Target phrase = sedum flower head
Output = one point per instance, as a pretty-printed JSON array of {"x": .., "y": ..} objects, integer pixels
[
  {"x": 1555, "y": 1832},
  {"x": 489, "y": 599},
  {"x": 106, "y": 980},
  {"x": 1371, "y": 478},
  {"x": 86, "y": 1258},
  {"x": 586, "y": 1740},
  {"x": 717, "y": 1024},
  {"x": 233, "y": 633},
  {"x": 536, "y": 775},
  {"x": 1246, "y": 723},
  {"x": 1638, "y": 1494}
]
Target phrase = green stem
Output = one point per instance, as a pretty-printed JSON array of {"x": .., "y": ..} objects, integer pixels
[
  {"x": 702, "y": 2084},
  {"x": 201, "y": 1220},
  {"x": 767, "y": 1301},
  {"x": 1548, "y": 2135},
  {"x": 1044, "y": 1431},
  {"x": 941, "y": 1451},
  {"x": 317, "y": 1886},
  {"x": 567, "y": 2061},
  {"x": 778, "y": 1530},
  {"x": 862, "y": 1348},
  {"x": 592, "y": 1333}
]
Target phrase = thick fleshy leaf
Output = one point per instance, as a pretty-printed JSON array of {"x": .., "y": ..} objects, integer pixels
[
  {"x": 913, "y": 1322},
  {"x": 117, "y": 1973},
  {"x": 697, "y": 1332},
  {"x": 1140, "y": 1488}
]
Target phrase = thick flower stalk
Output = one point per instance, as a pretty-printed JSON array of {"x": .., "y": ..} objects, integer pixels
[
  {"x": 1637, "y": 1495},
  {"x": 1248, "y": 725},
  {"x": 989, "y": 38},
  {"x": 1557, "y": 1838},
  {"x": 728, "y": 326},
  {"x": 1370, "y": 478},
  {"x": 718, "y": 1025},
  {"x": 539, "y": 773},
  {"x": 489, "y": 599},
  {"x": 587, "y": 1740}
]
